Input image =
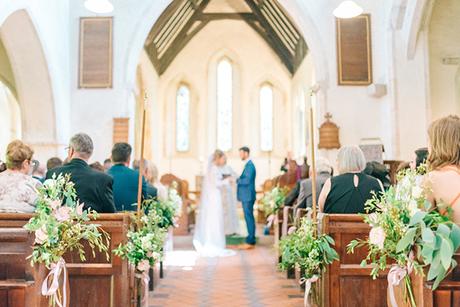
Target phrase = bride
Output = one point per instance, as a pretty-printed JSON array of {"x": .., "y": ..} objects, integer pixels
[{"x": 209, "y": 238}]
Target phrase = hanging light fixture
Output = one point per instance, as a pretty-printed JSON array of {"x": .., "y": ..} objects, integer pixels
[
  {"x": 348, "y": 9},
  {"x": 99, "y": 6}
]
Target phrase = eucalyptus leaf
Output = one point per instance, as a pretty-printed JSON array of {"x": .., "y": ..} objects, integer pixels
[
  {"x": 455, "y": 236},
  {"x": 428, "y": 237},
  {"x": 407, "y": 240},
  {"x": 447, "y": 252},
  {"x": 417, "y": 218},
  {"x": 443, "y": 229}
]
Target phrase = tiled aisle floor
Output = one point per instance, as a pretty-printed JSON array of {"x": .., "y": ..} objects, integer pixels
[{"x": 249, "y": 278}]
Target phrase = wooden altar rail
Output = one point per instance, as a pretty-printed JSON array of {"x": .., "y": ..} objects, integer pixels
[{"x": 97, "y": 282}]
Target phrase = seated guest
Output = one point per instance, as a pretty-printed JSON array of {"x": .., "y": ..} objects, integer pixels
[
  {"x": 97, "y": 166},
  {"x": 93, "y": 188},
  {"x": 292, "y": 196},
  {"x": 18, "y": 189},
  {"x": 125, "y": 180},
  {"x": 421, "y": 155},
  {"x": 151, "y": 176},
  {"x": 107, "y": 164},
  {"x": 53, "y": 163},
  {"x": 379, "y": 171},
  {"x": 323, "y": 173},
  {"x": 151, "y": 190},
  {"x": 444, "y": 164},
  {"x": 38, "y": 171},
  {"x": 349, "y": 191}
]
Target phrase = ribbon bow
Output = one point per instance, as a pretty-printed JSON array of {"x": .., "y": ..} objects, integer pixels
[
  {"x": 54, "y": 275},
  {"x": 395, "y": 276},
  {"x": 144, "y": 276},
  {"x": 308, "y": 282},
  {"x": 270, "y": 220}
]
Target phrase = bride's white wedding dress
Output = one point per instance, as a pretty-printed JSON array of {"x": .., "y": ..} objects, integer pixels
[{"x": 209, "y": 237}]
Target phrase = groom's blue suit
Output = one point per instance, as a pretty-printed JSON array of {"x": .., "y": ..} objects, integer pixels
[{"x": 246, "y": 194}]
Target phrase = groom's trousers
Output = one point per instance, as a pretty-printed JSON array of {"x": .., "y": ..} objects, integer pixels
[{"x": 248, "y": 208}]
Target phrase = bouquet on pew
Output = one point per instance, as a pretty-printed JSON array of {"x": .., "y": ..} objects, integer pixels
[
  {"x": 168, "y": 211},
  {"x": 273, "y": 201},
  {"x": 311, "y": 252},
  {"x": 407, "y": 231},
  {"x": 144, "y": 246},
  {"x": 61, "y": 225}
]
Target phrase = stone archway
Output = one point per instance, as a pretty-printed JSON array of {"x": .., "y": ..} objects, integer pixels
[{"x": 32, "y": 82}]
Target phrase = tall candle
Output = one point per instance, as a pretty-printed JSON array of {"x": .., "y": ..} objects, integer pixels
[{"x": 313, "y": 154}]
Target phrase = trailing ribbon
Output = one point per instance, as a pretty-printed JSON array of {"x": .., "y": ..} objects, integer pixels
[
  {"x": 396, "y": 274},
  {"x": 308, "y": 282},
  {"x": 54, "y": 275},
  {"x": 144, "y": 276},
  {"x": 270, "y": 220}
]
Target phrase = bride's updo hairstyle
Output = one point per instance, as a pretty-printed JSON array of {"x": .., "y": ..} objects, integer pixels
[
  {"x": 444, "y": 137},
  {"x": 217, "y": 155}
]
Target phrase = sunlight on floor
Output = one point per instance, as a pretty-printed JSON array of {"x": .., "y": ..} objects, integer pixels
[{"x": 184, "y": 258}]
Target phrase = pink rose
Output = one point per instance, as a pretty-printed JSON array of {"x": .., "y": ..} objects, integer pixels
[
  {"x": 377, "y": 236},
  {"x": 54, "y": 204},
  {"x": 62, "y": 214},
  {"x": 292, "y": 230},
  {"x": 41, "y": 235},
  {"x": 80, "y": 209},
  {"x": 143, "y": 266}
]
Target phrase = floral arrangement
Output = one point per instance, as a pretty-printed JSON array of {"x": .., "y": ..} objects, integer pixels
[
  {"x": 168, "y": 211},
  {"x": 310, "y": 251},
  {"x": 407, "y": 231},
  {"x": 274, "y": 200},
  {"x": 145, "y": 243},
  {"x": 60, "y": 225}
]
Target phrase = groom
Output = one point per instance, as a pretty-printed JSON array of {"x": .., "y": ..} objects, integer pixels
[{"x": 246, "y": 194}]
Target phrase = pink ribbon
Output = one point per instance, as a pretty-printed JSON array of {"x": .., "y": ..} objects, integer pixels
[
  {"x": 308, "y": 282},
  {"x": 144, "y": 276},
  {"x": 270, "y": 220},
  {"x": 395, "y": 276},
  {"x": 54, "y": 275}
]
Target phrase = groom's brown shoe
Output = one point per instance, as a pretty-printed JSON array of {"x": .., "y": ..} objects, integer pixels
[{"x": 247, "y": 246}]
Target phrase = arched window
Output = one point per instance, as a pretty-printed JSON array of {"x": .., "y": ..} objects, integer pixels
[
  {"x": 183, "y": 119},
  {"x": 266, "y": 117},
  {"x": 224, "y": 104}
]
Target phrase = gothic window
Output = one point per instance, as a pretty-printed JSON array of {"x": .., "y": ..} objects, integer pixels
[
  {"x": 224, "y": 104},
  {"x": 183, "y": 119},
  {"x": 266, "y": 117}
]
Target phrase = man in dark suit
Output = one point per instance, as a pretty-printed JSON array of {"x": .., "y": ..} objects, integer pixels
[
  {"x": 246, "y": 193},
  {"x": 93, "y": 188},
  {"x": 126, "y": 180}
]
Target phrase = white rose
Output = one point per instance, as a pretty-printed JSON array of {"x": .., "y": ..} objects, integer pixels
[
  {"x": 417, "y": 192},
  {"x": 377, "y": 236}
]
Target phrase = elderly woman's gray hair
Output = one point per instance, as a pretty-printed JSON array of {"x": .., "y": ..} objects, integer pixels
[
  {"x": 82, "y": 144},
  {"x": 351, "y": 159},
  {"x": 323, "y": 165}
]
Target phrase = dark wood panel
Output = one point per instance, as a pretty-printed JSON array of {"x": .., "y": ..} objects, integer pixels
[
  {"x": 354, "y": 55},
  {"x": 90, "y": 290}
]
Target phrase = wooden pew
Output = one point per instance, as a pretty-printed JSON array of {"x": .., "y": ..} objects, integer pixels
[
  {"x": 448, "y": 292},
  {"x": 97, "y": 282},
  {"x": 345, "y": 282}
]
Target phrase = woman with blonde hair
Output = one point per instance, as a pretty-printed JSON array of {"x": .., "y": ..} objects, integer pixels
[
  {"x": 151, "y": 175},
  {"x": 18, "y": 189},
  {"x": 444, "y": 163},
  {"x": 209, "y": 237},
  {"x": 349, "y": 191}
]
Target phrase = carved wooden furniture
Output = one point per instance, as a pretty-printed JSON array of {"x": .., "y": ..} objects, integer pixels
[
  {"x": 187, "y": 216},
  {"x": 346, "y": 283},
  {"x": 97, "y": 282}
]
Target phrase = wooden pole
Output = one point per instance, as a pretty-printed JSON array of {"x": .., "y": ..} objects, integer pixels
[
  {"x": 141, "y": 161},
  {"x": 313, "y": 158}
]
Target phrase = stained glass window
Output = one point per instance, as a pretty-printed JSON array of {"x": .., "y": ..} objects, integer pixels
[
  {"x": 266, "y": 118},
  {"x": 183, "y": 119},
  {"x": 224, "y": 104}
]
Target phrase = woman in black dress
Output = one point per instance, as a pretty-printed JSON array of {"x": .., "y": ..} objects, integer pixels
[{"x": 349, "y": 191}]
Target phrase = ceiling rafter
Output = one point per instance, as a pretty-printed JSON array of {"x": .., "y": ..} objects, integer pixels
[{"x": 183, "y": 19}]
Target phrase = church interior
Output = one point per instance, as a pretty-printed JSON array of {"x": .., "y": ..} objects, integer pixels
[{"x": 151, "y": 96}]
